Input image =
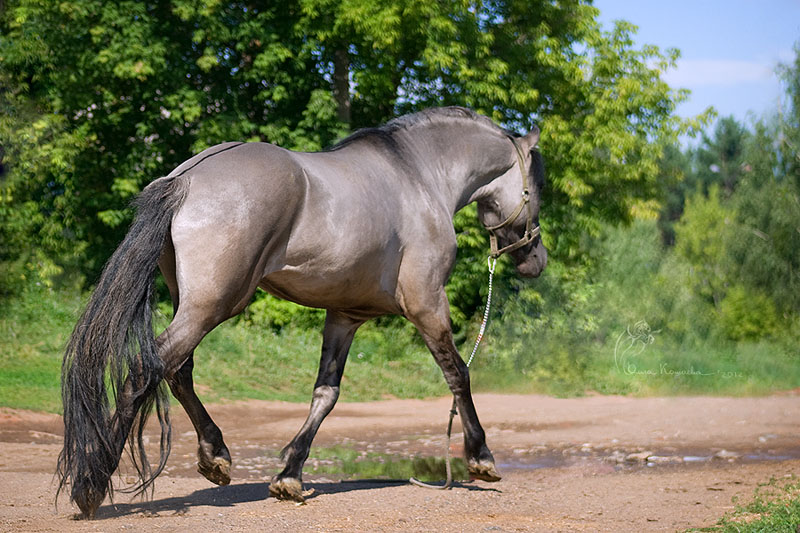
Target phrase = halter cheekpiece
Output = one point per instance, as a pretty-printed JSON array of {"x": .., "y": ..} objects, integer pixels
[{"x": 531, "y": 232}]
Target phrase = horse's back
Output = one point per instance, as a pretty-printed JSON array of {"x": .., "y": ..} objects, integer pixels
[{"x": 325, "y": 229}]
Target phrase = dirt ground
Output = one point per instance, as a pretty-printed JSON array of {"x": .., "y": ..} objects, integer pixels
[{"x": 599, "y": 463}]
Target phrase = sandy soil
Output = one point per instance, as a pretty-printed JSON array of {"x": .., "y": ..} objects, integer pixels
[{"x": 600, "y": 463}]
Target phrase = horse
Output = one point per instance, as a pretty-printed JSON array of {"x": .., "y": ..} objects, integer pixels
[{"x": 361, "y": 230}]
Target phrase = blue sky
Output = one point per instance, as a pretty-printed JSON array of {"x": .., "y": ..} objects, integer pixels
[{"x": 729, "y": 48}]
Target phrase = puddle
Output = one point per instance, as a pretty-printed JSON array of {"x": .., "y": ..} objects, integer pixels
[
  {"x": 696, "y": 458},
  {"x": 401, "y": 460},
  {"x": 622, "y": 459},
  {"x": 542, "y": 461},
  {"x": 349, "y": 464},
  {"x": 759, "y": 457}
]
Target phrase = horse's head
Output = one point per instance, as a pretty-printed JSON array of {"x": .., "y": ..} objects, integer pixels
[{"x": 509, "y": 208}]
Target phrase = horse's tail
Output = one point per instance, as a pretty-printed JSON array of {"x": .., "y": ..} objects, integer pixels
[{"x": 113, "y": 347}]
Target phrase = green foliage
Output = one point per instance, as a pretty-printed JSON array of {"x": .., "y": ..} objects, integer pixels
[
  {"x": 700, "y": 238},
  {"x": 267, "y": 311},
  {"x": 102, "y": 98},
  {"x": 748, "y": 315},
  {"x": 721, "y": 159},
  {"x": 738, "y": 230},
  {"x": 764, "y": 253},
  {"x": 633, "y": 323},
  {"x": 235, "y": 361},
  {"x": 542, "y": 335},
  {"x": 775, "y": 507},
  {"x": 675, "y": 172},
  {"x": 788, "y": 136},
  {"x": 34, "y": 327}
]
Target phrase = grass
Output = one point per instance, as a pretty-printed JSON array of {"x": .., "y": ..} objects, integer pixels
[
  {"x": 670, "y": 368},
  {"x": 237, "y": 361},
  {"x": 563, "y": 368},
  {"x": 775, "y": 508},
  {"x": 33, "y": 332},
  {"x": 233, "y": 362}
]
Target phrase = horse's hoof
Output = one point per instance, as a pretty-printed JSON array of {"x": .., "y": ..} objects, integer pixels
[
  {"x": 483, "y": 470},
  {"x": 287, "y": 488},
  {"x": 217, "y": 470}
]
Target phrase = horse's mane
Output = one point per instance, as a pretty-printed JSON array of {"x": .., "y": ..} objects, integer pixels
[{"x": 386, "y": 133}]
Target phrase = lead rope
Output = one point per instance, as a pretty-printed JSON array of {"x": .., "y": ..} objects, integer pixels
[{"x": 492, "y": 263}]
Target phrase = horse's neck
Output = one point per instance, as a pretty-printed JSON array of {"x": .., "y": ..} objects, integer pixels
[{"x": 464, "y": 161}]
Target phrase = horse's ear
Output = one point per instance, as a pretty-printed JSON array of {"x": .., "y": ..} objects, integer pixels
[{"x": 532, "y": 137}]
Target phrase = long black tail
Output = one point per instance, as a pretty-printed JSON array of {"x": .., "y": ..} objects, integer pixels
[{"x": 113, "y": 350}]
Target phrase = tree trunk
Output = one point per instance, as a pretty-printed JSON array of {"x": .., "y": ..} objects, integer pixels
[{"x": 341, "y": 84}]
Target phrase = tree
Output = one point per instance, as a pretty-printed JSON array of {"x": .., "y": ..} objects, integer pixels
[
  {"x": 739, "y": 230},
  {"x": 789, "y": 121},
  {"x": 721, "y": 159},
  {"x": 701, "y": 236},
  {"x": 100, "y": 98},
  {"x": 677, "y": 183},
  {"x": 764, "y": 253}
]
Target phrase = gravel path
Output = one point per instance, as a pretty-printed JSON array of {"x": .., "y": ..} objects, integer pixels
[{"x": 599, "y": 463}]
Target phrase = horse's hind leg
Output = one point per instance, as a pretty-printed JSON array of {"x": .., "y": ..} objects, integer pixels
[
  {"x": 213, "y": 457},
  {"x": 178, "y": 340},
  {"x": 336, "y": 340}
]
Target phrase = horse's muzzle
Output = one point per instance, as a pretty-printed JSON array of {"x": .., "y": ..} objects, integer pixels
[{"x": 534, "y": 263}]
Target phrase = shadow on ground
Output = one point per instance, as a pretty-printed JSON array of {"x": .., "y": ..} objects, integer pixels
[{"x": 231, "y": 495}]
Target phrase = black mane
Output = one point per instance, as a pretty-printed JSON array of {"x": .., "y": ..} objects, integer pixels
[{"x": 385, "y": 133}]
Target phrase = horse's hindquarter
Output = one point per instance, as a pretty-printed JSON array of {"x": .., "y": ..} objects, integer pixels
[{"x": 236, "y": 218}]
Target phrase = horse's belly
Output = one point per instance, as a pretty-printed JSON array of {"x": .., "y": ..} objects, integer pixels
[{"x": 362, "y": 293}]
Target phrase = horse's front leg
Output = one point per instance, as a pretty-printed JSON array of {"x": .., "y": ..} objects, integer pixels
[
  {"x": 336, "y": 340},
  {"x": 430, "y": 313}
]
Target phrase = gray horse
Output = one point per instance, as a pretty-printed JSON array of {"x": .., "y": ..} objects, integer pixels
[{"x": 361, "y": 230}]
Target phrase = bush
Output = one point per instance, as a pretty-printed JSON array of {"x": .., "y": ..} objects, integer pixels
[
  {"x": 266, "y": 311},
  {"x": 748, "y": 315}
]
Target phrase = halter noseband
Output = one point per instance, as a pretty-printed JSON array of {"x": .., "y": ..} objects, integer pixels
[{"x": 530, "y": 232}]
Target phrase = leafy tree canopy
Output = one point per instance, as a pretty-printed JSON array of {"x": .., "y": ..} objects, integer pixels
[
  {"x": 737, "y": 213},
  {"x": 99, "y": 98}
]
